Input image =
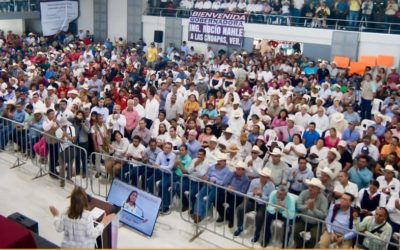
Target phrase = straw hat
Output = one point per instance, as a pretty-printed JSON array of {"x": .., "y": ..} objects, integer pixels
[
  {"x": 276, "y": 151},
  {"x": 240, "y": 164},
  {"x": 389, "y": 168},
  {"x": 213, "y": 138},
  {"x": 233, "y": 148},
  {"x": 342, "y": 143},
  {"x": 222, "y": 157},
  {"x": 228, "y": 130},
  {"x": 316, "y": 183},
  {"x": 329, "y": 172},
  {"x": 265, "y": 172},
  {"x": 337, "y": 117},
  {"x": 334, "y": 151},
  {"x": 73, "y": 91},
  {"x": 256, "y": 149}
]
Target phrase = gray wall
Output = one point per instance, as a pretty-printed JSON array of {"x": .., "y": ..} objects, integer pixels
[
  {"x": 316, "y": 51},
  {"x": 173, "y": 34},
  {"x": 345, "y": 43},
  {"x": 135, "y": 10},
  {"x": 100, "y": 19}
]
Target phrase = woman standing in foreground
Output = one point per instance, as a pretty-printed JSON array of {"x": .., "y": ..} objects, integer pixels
[{"x": 77, "y": 222}]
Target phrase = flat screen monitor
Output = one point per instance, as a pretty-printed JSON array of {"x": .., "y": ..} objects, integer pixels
[{"x": 138, "y": 209}]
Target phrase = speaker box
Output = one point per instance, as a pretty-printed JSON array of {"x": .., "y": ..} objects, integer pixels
[
  {"x": 25, "y": 222},
  {"x": 158, "y": 36}
]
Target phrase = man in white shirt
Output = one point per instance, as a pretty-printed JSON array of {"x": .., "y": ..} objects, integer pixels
[
  {"x": 212, "y": 151},
  {"x": 387, "y": 183},
  {"x": 207, "y": 5},
  {"x": 216, "y": 5},
  {"x": 64, "y": 112},
  {"x": 332, "y": 162},
  {"x": 152, "y": 107},
  {"x": 242, "y": 5},
  {"x": 138, "y": 107},
  {"x": 135, "y": 154},
  {"x": 66, "y": 134},
  {"x": 321, "y": 120},
  {"x": 237, "y": 123},
  {"x": 302, "y": 118},
  {"x": 116, "y": 121},
  {"x": 343, "y": 185},
  {"x": 254, "y": 163},
  {"x": 367, "y": 147},
  {"x": 100, "y": 109}
]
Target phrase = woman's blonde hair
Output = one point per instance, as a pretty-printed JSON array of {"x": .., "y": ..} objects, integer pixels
[{"x": 79, "y": 202}]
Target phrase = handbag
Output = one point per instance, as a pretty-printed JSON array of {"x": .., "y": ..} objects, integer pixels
[{"x": 40, "y": 147}]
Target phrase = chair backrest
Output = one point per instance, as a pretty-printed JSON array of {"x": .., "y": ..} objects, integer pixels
[
  {"x": 301, "y": 129},
  {"x": 376, "y": 105},
  {"x": 270, "y": 135},
  {"x": 366, "y": 123}
]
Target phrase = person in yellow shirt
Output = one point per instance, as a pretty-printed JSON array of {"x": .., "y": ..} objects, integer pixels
[
  {"x": 151, "y": 54},
  {"x": 355, "y": 7},
  {"x": 191, "y": 106},
  {"x": 389, "y": 148}
]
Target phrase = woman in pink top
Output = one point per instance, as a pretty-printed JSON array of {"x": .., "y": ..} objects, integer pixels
[
  {"x": 281, "y": 119},
  {"x": 132, "y": 117},
  {"x": 331, "y": 140},
  {"x": 204, "y": 138}
]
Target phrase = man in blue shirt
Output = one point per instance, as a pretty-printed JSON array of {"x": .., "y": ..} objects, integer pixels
[
  {"x": 237, "y": 181},
  {"x": 350, "y": 135},
  {"x": 182, "y": 165},
  {"x": 360, "y": 174},
  {"x": 310, "y": 136},
  {"x": 217, "y": 174},
  {"x": 339, "y": 224},
  {"x": 164, "y": 164},
  {"x": 193, "y": 144}
]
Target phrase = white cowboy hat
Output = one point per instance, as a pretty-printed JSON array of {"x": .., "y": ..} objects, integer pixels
[
  {"x": 85, "y": 87},
  {"x": 320, "y": 99},
  {"x": 316, "y": 183},
  {"x": 223, "y": 109},
  {"x": 246, "y": 94},
  {"x": 290, "y": 118},
  {"x": 237, "y": 113},
  {"x": 305, "y": 106},
  {"x": 337, "y": 117},
  {"x": 342, "y": 143},
  {"x": 240, "y": 164},
  {"x": 334, "y": 151},
  {"x": 233, "y": 148},
  {"x": 50, "y": 88},
  {"x": 389, "y": 168},
  {"x": 265, "y": 172},
  {"x": 329, "y": 172},
  {"x": 213, "y": 138},
  {"x": 222, "y": 157},
  {"x": 276, "y": 151},
  {"x": 228, "y": 130},
  {"x": 256, "y": 149},
  {"x": 37, "y": 111},
  {"x": 73, "y": 91}
]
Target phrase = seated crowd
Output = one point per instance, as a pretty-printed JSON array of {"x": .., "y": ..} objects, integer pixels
[
  {"x": 349, "y": 14},
  {"x": 284, "y": 129}
]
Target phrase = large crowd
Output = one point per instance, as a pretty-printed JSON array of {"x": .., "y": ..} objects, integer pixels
[
  {"x": 298, "y": 133},
  {"x": 345, "y": 14}
]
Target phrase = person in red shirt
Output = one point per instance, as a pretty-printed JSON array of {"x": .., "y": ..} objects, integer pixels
[
  {"x": 121, "y": 97},
  {"x": 64, "y": 87}
]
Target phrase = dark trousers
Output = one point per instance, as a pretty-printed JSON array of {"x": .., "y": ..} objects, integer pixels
[
  {"x": 32, "y": 142},
  {"x": 232, "y": 200},
  {"x": 180, "y": 187},
  {"x": 267, "y": 231},
  {"x": 194, "y": 189},
  {"x": 53, "y": 155},
  {"x": 20, "y": 138},
  {"x": 81, "y": 158},
  {"x": 132, "y": 174},
  {"x": 248, "y": 206},
  {"x": 366, "y": 107},
  {"x": 312, "y": 228}
]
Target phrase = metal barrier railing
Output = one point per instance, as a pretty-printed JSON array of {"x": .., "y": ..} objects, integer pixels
[
  {"x": 62, "y": 160},
  {"x": 230, "y": 204},
  {"x": 141, "y": 175},
  {"x": 362, "y": 25},
  {"x": 20, "y": 139},
  {"x": 318, "y": 231}
]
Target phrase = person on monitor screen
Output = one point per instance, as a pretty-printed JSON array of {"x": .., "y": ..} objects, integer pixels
[{"x": 131, "y": 206}]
